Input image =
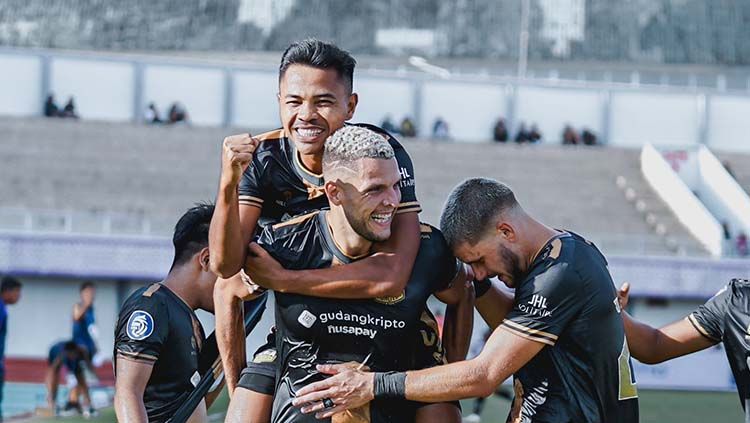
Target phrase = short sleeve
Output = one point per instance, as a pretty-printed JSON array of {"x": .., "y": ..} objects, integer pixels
[
  {"x": 250, "y": 192},
  {"x": 143, "y": 330},
  {"x": 545, "y": 304},
  {"x": 708, "y": 319},
  {"x": 447, "y": 264},
  {"x": 409, "y": 201}
]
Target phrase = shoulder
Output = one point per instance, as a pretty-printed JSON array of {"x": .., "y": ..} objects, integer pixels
[
  {"x": 149, "y": 298},
  {"x": 271, "y": 143},
  {"x": 282, "y": 233}
]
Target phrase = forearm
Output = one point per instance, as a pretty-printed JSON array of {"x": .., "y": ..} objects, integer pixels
[
  {"x": 230, "y": 337},
  {"x": 372, "y": 277},
  {"x": 493, "y": 306},
  {"x": 643, "y": 340},
  {"x": 129, "y": 408},
  {"x": 225, "y": 236},
  {"x": 465, "y": 379},
  {"x": 457, "y": 327}
]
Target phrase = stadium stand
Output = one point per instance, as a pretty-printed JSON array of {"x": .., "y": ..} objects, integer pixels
[
  {"x": 739, "y": 165},
  {"x": 157, "y": 172}
]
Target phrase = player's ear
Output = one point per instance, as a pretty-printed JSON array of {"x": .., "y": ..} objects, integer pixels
[
  {"x": 351, "y": 105},
  {"x": 506, "y": 231},
  {"x": 333, "y": 192},
  {"x": 204, "y": 258}
]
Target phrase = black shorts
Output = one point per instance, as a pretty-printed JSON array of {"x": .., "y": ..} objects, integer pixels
[
  {"x": 429, "y": 348},
  {"x": 260, "y": 374}
]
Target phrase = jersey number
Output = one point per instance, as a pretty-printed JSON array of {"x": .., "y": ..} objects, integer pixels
[{"x": 628, "y": 388}]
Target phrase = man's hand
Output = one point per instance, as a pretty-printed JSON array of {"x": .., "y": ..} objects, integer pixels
[
  {"x": 348, "y": 389},
  {"x": 237, "y": 153},
  {"x": 263, "y": 269},
  {"x": 622, "y": 295}
]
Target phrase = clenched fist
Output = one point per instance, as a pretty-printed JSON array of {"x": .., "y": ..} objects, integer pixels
[{"x": 237, "y": 153}]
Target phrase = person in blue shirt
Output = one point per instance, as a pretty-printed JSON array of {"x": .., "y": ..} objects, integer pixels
[
  {"x": 10, "y": 293},
  {"x": 83, "y": 319}
]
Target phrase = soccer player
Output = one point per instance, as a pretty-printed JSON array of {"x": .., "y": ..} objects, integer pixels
[
  {"x": 158, "y": 337},
  {"x": 277, "y": 175},
  {"x": 10, "y": 293},
  {"x": 724, "y": 318},
  {"x": 73, "y": 357},
  {"x": 563, "y": 340},
  {"x": 362, "y": 185},
  {"x": 83, "y": 319}
]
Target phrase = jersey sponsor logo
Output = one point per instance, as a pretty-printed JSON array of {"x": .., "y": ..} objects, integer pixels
[
  {"x": 391, "y": 300},
  {"x": 306, "y": 319},
  {"x": 537, "y": 306},
  {"x": 140, "y": 325},
  {"x": 362, "y": 319},
  {"x": 352, "y": 330}
]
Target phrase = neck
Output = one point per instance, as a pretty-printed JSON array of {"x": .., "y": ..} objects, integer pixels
[
  {"x": 312, "y": 162},
  {"x": 346, "y": 238},
  {"x": 538, "y": 236},
  {"x": 182, "y": 281}
]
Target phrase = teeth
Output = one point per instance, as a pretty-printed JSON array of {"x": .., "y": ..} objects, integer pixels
[
  {"x": 309, "y": 132},
  {"x": 382, "y": 218}
]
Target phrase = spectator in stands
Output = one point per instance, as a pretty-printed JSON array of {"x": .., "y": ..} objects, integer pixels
[
  {"x": 151, "y": 114},
  {"x": 570, "y": 136},
  {"x": 389, "y": 126},
  {"x": 177, "y": 113},
  {"x": 522, "y": 135},
  {"x": 69, "y": 111},
  {"x": 10, "y": 293},
  {"x": 500, "y": 132},
  {"x": 50, "y": 108},
  {"x": 408, "y": 129},
  {"x": 588, "y": 137},
  {"x": 742, "y": 247},
  {"x": 534, "y": 134},
  {"x": 72, "y": 356},
  {"x": 440, "y": 129}
]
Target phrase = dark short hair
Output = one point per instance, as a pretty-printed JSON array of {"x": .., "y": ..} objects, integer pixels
[
  {"x": 320, "y": 55},
  {"x": 87, "y": 284},
  {"x": 472, "y": 207},
  {"x": 9, "y": 283},
  {"x": 191, "y": 232}
]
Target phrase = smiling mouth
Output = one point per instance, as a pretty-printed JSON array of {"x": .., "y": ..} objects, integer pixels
[
  {"x": 309, "y": 132},
  {"x": 382, "y": 218}
]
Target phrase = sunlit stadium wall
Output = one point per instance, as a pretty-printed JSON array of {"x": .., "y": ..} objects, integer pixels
[{"x": 118, "y": 88}]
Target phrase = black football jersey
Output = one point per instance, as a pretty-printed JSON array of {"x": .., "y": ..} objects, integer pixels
[
  {"x": 584, "y": 373},
  {"x": 278, "y": 183},
  {"x": 379, "y": 332},
  {"x": 726, "y": 318},
  {"x": 156, "y": 326}
]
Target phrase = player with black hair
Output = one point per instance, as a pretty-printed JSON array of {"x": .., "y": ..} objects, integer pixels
[
  {"x": 278, "y": 175},
  {"x": 158, "y": 337}
]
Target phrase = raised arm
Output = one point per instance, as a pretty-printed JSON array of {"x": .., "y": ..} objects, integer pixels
[
  {"x": 130, "y": 384},
  {"x": 382, "y": 274},
  {"x": 228, "y": 235}
]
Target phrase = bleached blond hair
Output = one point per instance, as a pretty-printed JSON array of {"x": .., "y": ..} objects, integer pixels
[{"x": 352, "y": 143}]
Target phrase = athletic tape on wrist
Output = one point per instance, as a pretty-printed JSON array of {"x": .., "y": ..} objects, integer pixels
[{"x": 390, "y": 385}]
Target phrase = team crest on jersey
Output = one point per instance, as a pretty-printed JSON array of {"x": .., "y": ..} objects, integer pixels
[
  {"x": 391, "y": 300},
  {"x": 140, "y": 325}
]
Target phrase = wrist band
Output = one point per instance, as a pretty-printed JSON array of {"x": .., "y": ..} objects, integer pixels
[
  {"x": 481, "y": 287},
  {"x": 390, "y": 385}
]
